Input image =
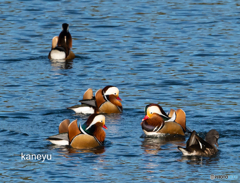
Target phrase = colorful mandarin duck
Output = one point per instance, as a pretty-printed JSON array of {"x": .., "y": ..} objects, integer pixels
[
  {"x": 89, "y": 135},
  {"x": 158, "y": 123},
  {"x": 106, "y": 100},
  {"x": 196, "y": 146},
  {"x": 61, "y": 45}
]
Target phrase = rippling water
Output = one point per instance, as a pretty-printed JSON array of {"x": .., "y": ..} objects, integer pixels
[{"x": 180, "y": 54}]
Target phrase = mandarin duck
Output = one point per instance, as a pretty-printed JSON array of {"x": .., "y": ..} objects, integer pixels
[
  {"x": 61, "y": 45},
  {"x": 106, "y": 100},
  {"x": 89, "y": 135}
]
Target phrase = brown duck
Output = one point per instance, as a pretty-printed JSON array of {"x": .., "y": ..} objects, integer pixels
[
  {"x": 157, "y": 123},
  {"x": 196, "y": 146},
  {"x": 61, "y": 45},
  {"x": 106, "y": 100},
  {"x": 89, "y": 135}
]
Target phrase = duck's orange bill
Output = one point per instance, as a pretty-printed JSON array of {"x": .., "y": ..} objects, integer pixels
[
  {"x": 119, "y": 98},
  {"x": 146, "y": 117},
  {"x": 104, "y": 126}
]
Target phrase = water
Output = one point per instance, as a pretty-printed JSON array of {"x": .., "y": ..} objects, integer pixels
[{"x": 179, "y": 54}]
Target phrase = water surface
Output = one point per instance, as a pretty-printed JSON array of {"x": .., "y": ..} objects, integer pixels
[{"x": 179, "y": 54}]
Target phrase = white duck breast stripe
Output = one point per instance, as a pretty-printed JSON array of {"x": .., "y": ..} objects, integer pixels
[
  {"x": 160, "y": 127},
  {"x": 80, "y": 126},
  {"x": 155, "y": 128},
  {"x": 88, "y": 134},
  {"x": 112, "y": 91},
  {"x": 98, "y": 118}
]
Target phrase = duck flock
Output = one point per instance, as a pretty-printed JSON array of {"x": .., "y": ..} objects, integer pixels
[{"x": 156, "y": 123}]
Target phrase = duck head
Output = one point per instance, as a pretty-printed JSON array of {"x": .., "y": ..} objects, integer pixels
[
  {"x": 93, "y": 121},
  {"x": 111, "y": 91},
  {"x": 65, "y": 27},
  {"x": 155, "y": 108},
  {"x": 212, "y": 137},
  {"x": 65, "y": 38},
  {"x": 153, "y": 120},
  {"x": 93, "y": 126}
]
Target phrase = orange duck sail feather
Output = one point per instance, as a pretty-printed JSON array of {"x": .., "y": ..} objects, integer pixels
[
  {"x": 73, "y": 130},
  {"x": 63, "y": 126},
  {"x": 181, "y": 118}
]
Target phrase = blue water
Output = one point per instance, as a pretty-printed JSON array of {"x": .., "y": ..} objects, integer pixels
[{"x": 177, "y": 53}]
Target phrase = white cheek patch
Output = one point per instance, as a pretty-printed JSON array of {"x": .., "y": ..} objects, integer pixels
[
  {"x": 98, "y": 118},
  {"x": 153, "y": 109},
  {"x": 112, "y": 91}
]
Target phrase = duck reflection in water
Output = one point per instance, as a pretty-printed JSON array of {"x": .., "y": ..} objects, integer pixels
[
  {"x": 66, "y": 150},
  {"x": 59, "y": 64},
  {"x": 200, "y": 160},
  {"x": 96, "y": 150},
  {"x": 152, "y": 145}
]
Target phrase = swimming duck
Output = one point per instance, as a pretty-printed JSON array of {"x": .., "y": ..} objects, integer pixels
[
  {"x": 106, "y": 100},
  {"x": 196, "y": 146},
  {"x": 157, "y": 123},
  {"x": 89, "y": 135},
  {"x": 61, "y": 45}
]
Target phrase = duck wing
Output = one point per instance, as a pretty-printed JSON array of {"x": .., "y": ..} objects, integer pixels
[
  {"x": 59, "y": 139},
  {"x": 192, "y": 139},
  {"x": 61, "y": 136},
  {"x": 195, "y": 140},
  {"x": 59, "y": 48},
  {"x": 63, "y": 126},
  {"x": 73, "y": 130},
  {"x": 89, "y": 102}
]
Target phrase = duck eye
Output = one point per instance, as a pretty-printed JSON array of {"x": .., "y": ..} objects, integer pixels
[{"x": 151, "y": 112}]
